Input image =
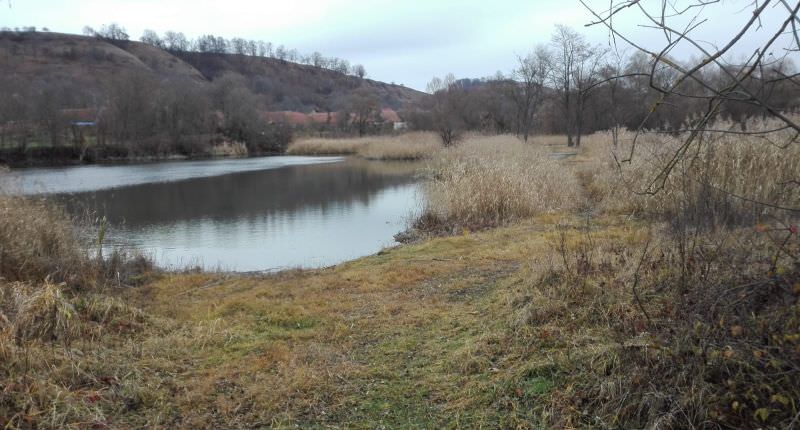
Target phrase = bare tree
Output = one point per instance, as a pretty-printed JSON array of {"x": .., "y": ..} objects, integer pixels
[
  {"x": 129, "y": 114},
  {"x": 446, "y": 110},
  {"x": 176, "y": 42},
  {"x": 364, "y": 107},
  {"x": 150, "y": 37},
  {"x": 48, "y": 102},
  {"x": 567, "y": 45},
  {"x": 183, "y": 112},
  {"x": 746, "y": 83},
  {"x": 317, "y": 60},
  {"x": 262, "y": 49},
  {"x": 359, "y": 71},
  {"x": 527, "y": 87},
  {"x": 564, "y": 42},
  {"x": 252, "y": 48},
  {"x": 239, "y": 46},
  {"x": 113, "y": 32},
  {"x": 585, "y": 75},
  {"x": 281, "y": 53}
]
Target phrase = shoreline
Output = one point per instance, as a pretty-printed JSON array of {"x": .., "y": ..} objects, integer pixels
[{"x": 119, "y": 161}]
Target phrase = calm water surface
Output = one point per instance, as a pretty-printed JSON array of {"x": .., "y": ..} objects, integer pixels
[{"x": 244, "y": 215}]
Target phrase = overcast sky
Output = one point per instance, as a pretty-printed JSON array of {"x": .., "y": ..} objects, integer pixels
[{"x": 406, "y": 42}]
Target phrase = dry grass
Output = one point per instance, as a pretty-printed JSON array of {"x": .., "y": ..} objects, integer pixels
[
  {"x": 529, "y": 326},
  {"x": 229, "y": 149},
  {"x": 647, "y": 345},
  {"x": 38, "y": 242},
  {"x": 716, "y": 183},
  {"x": 65, "y": 351},
  {"x": 559, "y": 319},
  {"x": 489, "y": 181},
  {"x": 408, "y": 146},
  {"x": 319, "y": 146}
]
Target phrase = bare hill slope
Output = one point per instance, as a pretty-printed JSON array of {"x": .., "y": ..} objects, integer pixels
[{"x": 91, "y": 64}]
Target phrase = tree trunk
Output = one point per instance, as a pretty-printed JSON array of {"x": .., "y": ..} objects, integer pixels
[{"x": 568, "y": 118}]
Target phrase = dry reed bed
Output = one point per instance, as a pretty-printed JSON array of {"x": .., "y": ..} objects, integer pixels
[
  {"x": 37, "y": 241},
  {"x": 488, "y": 181},
  {"x": 409, "y": 146},
  {"x": 721, "y": 180}
]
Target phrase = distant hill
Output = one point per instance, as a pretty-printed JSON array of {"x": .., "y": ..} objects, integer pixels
[{"x": 92, "y": 63}]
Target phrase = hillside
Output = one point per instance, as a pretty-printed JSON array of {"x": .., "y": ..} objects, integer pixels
[{"x": 91, "y": 64}]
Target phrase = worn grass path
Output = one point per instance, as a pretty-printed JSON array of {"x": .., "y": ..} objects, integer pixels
[{"x": 419, "y": 336}]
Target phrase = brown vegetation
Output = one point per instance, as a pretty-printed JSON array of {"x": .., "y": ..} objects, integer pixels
[
  {"x": 407, "y": 146},
  {"x": 37, "y": 243},
  {"x": 489, "y": 181},
  {"x": 585, "y": 309}
]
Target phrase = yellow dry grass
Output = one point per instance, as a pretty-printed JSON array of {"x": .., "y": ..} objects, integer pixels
[
  {"x": 488, "y": 181},
  {"x": 408, "y": 146},
  {"x": 723, "y": 178},
  {"x": 38, "y": 241}
]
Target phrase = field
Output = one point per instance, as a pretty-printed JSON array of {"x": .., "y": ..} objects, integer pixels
[{"x": 537, "y": 292}]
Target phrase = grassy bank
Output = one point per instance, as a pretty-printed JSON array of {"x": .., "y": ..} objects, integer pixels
[
  {"x": 408, "y": 146},
  {"x": 549, "y": 295}
]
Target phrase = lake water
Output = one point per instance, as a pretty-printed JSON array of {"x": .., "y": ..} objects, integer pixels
[{"x": 253, "y": 214}]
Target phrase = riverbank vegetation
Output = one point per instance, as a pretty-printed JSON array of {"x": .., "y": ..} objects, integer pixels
[
  {"x": 584, "y": 305},
  {"x": 406, "y": 146},
  {"x": 487, "y": 181}
]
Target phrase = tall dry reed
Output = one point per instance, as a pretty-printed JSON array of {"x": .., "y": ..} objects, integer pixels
[
  {"x": 487, "y": 181},
  {"x": 723, "y": 179},
  {"x": 408, "y": 146},
  {"x": 37, "y": 241}
]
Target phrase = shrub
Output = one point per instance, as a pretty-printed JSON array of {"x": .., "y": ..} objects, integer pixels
[{"x": 701, "y": 336}]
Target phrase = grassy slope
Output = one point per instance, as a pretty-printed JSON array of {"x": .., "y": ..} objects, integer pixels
[{"x": 417, "y": 336}]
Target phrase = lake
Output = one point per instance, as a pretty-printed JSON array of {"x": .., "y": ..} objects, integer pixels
[{"x": 256, "y": 214}]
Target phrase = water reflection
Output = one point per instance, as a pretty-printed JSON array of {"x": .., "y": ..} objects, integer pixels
[{"x": 298, "y": 215}]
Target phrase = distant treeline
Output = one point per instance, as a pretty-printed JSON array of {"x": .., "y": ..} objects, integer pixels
[
  {"x": 137, "y": 115},
  {"x": 566, "y": 86},
  {"x": 177, "y": 42},
  {"x": 166, "y": 108},
  {"x": 569, "y": 86}
]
